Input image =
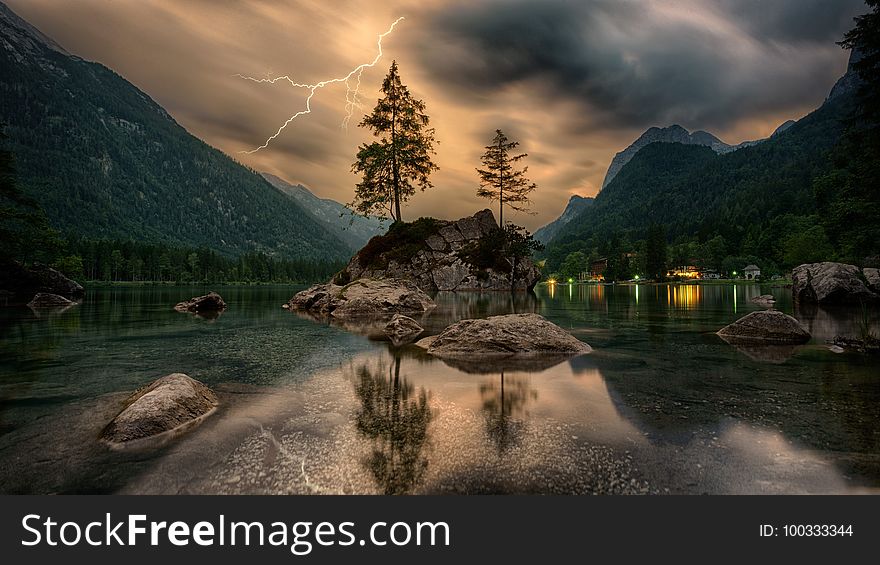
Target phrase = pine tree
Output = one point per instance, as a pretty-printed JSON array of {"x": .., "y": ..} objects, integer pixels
[
  {"x": 655, "y": 260},
  {"x": 848, "y": 196},
  {"x": 401, "y": 160},
  {"x": 500, "y": 180}
]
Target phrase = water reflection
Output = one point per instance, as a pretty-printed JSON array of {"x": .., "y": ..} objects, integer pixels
[
  {"x": 504, "y": 406},
  {"x": 661, "y": 399},
  {"x": 395, "y": 417}
]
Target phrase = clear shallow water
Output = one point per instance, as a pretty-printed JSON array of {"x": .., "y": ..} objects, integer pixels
[{"x": 661, "y": 405}]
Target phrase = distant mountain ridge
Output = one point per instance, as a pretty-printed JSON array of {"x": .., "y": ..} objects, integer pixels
[
  {"x": 576, "y": 205},
  {"x": 354, "y": 230},
  {"x": 107, "y": 162},
  {"x": 693, "y": 189},
  {"x": 672, "y": 134}
]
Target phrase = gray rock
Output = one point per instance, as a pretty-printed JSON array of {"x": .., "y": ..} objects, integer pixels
[
  {"x": 47, "y": 300},
  {"x": 503, "y": 336},
  {"x": 211, "y": 302},
  {"x": 765, "y": 300},
  {"x": 402, "y": 329},
  {"x": 872, "y": 276},
  {"x": 166, "y": 404},
  {"x": 449, "y": 276},
  {"x": 486, "y": 220},
  {"x": 363, "y": 298},
  {"x": 830, "y": 283},
  {"x": 765, "y": 326},
  {"x": 451, "y": 235},
  {"x": 20, "y": 284},
  {"x": 54, "y": 282},
  {"x": 436, "y": 242},
  {"x": 469, "y": 228},
  {"x": 438, "y": 266},
  {"x": 316, "y": 299}
]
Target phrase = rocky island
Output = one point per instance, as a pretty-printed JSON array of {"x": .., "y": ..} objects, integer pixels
[{"x": 436, "y": 255}]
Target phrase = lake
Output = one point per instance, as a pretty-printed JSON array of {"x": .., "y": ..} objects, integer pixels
[{"x": 661, "y": 405}]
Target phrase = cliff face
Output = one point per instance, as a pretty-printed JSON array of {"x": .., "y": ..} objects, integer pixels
[{"x": 434, "y": 254}]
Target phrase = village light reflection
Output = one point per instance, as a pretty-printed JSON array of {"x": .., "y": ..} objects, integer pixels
[{"x": 734, "y": 296}]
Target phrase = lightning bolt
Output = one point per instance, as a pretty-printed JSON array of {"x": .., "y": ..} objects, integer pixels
[{"x": 352, "y": 83}]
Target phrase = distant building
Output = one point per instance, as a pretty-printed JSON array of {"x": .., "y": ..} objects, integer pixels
[
  {"x": 710, "y": 274},
  {"x": 684, "y": 272},
  {"x": 597, "y": 269},
  {"x": 752, "y": 272}
]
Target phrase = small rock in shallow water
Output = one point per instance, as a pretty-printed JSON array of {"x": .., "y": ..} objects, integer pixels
[
  {"x": 211, "y": 302},
  {"x": 164, "y": 405},
  {"x": 765, "y": 326},
  {"x": 402, "y": 329}
]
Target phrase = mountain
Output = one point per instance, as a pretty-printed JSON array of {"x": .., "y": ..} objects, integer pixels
[
  {"x": 576, "y": 205},
  {"x": 354, "y": 230},
  {"x": 747, "y": 196},
  {"x": 783, "y": 128},
  {"x": 671, "y": 134},
  {"x": 107, "y": 162},
  {"x": 677, "y": 134}
]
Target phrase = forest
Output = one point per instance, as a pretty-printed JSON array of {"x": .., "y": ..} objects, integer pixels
[{"x": 804, "y": 196}]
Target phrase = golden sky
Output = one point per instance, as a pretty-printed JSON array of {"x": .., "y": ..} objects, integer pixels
[{"x": 574, "y": 82}]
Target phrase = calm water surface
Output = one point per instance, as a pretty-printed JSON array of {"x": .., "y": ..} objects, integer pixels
[{"x": 662, "y": 405}]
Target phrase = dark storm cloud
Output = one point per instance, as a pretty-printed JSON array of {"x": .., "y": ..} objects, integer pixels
[
  {"x": 821, "y": 21},
  {"x": 637, "y": 63}
]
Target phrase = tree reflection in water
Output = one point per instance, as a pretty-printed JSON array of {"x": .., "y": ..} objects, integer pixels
[
  {"x": 396, "y": 418},
  {"x": 504, "y": 407}
]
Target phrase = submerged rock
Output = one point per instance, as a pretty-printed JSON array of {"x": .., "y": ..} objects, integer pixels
[
  {"x": 211, "y": 302},
  {"x": 363, "y": 298},
  {"x": 166, "y": 404},
  {"x": 765, "y": 300},
  {"x": 402, "y": 329},
  {"x": 48, "y": 300},
  {"x": 776, "y": 353},
  {"x": 867, "y": 345},
  {"x": 769, "y": 326},
  {"x": 830, "y": 283},
  {"x": 503, "y": 336}
]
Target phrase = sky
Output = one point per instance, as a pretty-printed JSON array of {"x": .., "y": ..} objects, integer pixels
[{"x": 574, "y": 81}]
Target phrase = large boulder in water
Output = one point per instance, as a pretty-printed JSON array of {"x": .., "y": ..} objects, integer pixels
[
  {"x": 363, "y": 298},
  {"x": 211, "y": 302},
  {"x": 830, "y": 283},
  {"x": 166, "y": 404},
  {"x": 440, "y": 255},
  {"x": 502, "y": 336},
  {"x": 22, "y": 283},
  {"x": 767, "y": 326}
]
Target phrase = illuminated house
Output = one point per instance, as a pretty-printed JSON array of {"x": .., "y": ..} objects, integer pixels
[
  {"x": 752, "y": 272},
  {"x": 685, "y": 272},
  {"x": 597, "y": 269}
]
